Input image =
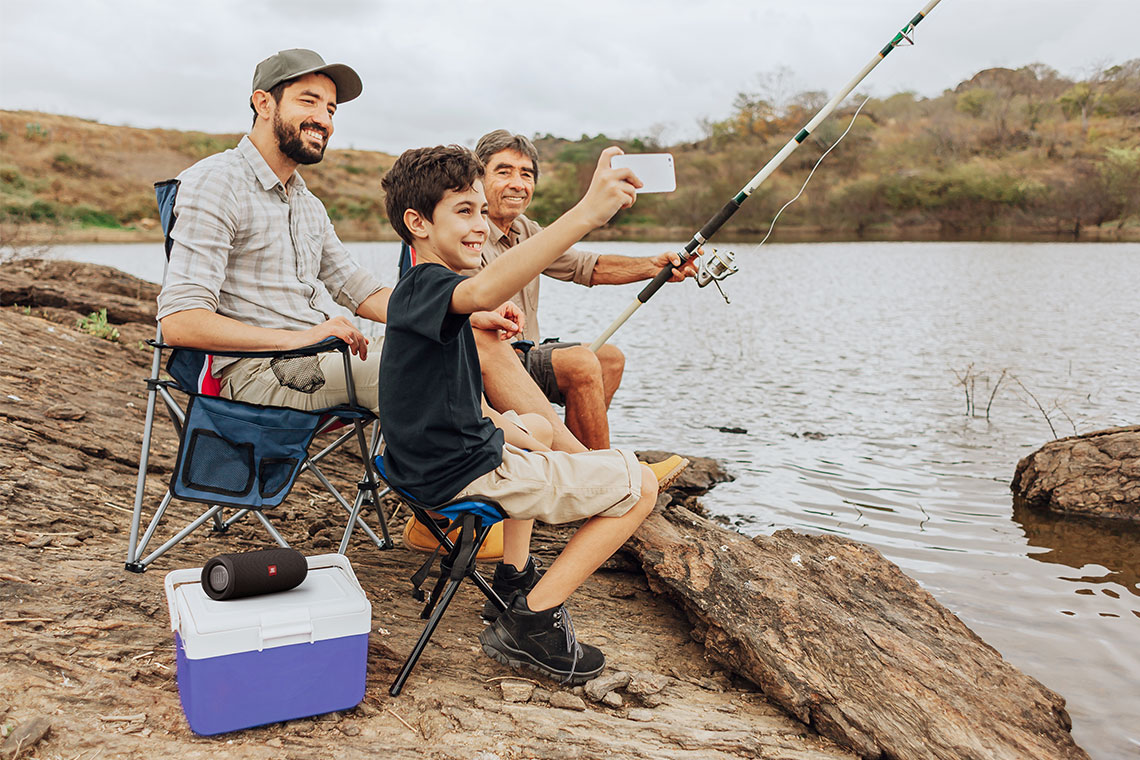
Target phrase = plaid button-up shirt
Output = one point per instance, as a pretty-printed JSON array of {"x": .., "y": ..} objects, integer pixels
[{"x": 250, "y": 248}]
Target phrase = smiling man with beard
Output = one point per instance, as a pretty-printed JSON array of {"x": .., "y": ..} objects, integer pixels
[{"x": 255, "y": 264}]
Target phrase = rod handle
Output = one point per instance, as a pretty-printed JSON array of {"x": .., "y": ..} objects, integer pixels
[
  {"x": 722, "y": 216},
  {"x": 656, "y": 283}
]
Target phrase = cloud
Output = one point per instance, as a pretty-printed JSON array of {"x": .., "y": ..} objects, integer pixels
[{"x": 447, "y": 71}]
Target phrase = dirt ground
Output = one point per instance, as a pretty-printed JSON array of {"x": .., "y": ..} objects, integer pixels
[{"x": 88, "y": 661}]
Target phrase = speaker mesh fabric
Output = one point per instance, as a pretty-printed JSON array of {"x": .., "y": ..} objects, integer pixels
[{"x": 253, "y": 573}]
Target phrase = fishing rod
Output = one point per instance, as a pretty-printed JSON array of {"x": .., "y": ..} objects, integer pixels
[{"x": 716, "y": 266}]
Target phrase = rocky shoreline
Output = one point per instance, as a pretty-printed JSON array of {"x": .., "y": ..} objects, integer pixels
[
  {"x": 1091, "y": 475},
  {"x": 789, "y": 646},
  {"x": 44, "y": 236}
]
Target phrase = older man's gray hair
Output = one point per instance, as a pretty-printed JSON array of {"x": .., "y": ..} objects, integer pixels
[{"x": 500, "y": 140}]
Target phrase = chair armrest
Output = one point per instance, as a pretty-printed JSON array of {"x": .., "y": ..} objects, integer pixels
[{"x": 326, "y": 345}]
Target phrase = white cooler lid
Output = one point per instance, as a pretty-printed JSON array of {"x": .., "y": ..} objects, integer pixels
[{"x": 329, "y": 604}]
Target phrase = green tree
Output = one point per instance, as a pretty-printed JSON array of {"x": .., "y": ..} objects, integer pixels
[
  {"x": 1120, "y": 173},
  {"x": 975, "y": 102},
  {"x": 1080, "y": 99}
]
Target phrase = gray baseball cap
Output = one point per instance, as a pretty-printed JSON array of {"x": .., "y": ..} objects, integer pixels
[{"x": 297, "y": 62}]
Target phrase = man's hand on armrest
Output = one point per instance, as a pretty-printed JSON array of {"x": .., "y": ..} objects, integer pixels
[{"x": 207, "y": 330}]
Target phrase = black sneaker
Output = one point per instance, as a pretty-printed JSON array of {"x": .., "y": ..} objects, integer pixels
[
  {"x": 507, "y": 581},
  {"x": 542, "y": 641}
]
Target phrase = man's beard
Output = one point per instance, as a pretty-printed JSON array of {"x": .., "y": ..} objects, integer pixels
[{"x": 291, "y": 143}]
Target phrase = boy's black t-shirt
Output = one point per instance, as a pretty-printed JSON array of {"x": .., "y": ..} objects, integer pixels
[{"x": 437, "y": 438}]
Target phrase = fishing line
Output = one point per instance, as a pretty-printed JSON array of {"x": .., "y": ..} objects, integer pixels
[
  {"x": 715, "y": 266},
  {"x": 720, "y": 266},
  {"x": 809, "y": 176}
]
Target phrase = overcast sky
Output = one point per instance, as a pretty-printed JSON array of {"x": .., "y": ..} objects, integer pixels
[{"x": 448, "y": 71}]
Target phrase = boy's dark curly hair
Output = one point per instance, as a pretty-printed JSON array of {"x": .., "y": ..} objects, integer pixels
[{"x": 420, "y": 178}]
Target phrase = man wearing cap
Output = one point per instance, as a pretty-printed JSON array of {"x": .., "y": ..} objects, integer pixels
[{"x": 255, "y": 263}]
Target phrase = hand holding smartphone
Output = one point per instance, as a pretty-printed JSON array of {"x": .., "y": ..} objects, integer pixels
[{"x": 655, "y": 170}]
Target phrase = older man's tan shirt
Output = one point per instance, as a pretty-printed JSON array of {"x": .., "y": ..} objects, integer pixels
[{"x": 573, "y": 266}]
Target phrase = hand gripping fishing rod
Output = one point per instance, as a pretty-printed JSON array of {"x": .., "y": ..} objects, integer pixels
[{"x": 730, "y": 208}]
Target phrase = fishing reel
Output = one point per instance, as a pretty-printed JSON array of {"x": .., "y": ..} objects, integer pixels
[{"x": 713, "y": 266}]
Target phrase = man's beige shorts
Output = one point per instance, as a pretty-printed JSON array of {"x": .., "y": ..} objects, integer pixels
[
  {"x": 255, "y": 382},
  {"x": 558, "y": 487}
]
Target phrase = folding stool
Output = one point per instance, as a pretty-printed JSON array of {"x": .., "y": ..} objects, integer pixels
[{"x": 474, "y": 517}]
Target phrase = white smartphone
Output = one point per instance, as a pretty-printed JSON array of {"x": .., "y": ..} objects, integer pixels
[{"x": 655, "y": 170}]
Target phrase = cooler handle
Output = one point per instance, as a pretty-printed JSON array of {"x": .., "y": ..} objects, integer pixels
[{"x": 285, "y": 624}]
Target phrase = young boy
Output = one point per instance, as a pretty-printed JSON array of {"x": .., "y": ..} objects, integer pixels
[{"x": 440, "y": 444}]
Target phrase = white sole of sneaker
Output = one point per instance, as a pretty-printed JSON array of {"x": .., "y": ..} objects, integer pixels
[{"x": 672, "y": 475}]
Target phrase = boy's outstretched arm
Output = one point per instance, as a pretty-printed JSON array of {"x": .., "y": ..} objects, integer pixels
[{"x": 610, "y": 190}]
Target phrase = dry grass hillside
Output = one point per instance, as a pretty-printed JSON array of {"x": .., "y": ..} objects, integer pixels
[
  {"x": 1023, "y": 154},
  {"x": 67, "y": 178}
]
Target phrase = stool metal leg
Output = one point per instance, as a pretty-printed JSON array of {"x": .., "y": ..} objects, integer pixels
[
  {"x": 441, "y": 608},
  {"x": 429, "y": 629}
]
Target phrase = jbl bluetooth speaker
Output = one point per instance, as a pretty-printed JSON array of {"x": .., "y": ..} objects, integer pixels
[{"x": 233, "y": 576}]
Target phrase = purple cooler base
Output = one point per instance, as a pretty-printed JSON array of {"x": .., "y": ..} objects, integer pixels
[{"x": 235, "y": 691}]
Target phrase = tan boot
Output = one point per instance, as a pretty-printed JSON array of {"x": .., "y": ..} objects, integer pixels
[{"x": 667, "y": 470}]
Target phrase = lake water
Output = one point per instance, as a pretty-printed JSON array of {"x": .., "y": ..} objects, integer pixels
[{"x": 842, "y": 362}]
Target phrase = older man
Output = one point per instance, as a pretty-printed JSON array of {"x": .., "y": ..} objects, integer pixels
[{"x": 569, "y": 374}]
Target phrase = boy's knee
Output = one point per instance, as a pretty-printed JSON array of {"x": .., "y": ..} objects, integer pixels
[
  {"x": 648, "y": 489},
  {"x": 540, "y": 428}
]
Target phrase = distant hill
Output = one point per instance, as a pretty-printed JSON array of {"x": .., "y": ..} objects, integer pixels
[
  {"x": 1010, "y": 153},
  {"x": 71, "y": 178}
]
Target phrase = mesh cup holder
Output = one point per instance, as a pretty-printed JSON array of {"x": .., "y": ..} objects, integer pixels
[{"x": 216, "y": 465}]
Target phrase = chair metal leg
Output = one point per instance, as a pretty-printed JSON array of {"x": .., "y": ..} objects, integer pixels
[
  {"x": 155, "y": 519},
  {"x": 132, "y": 547},
  {"x": 233, "y": 519},
  {"x": 272, "y": 530},
  {"x": 355, "y": 518},
  {"x": 140, "y": 566},
  {"x": 371, "y": 479}
]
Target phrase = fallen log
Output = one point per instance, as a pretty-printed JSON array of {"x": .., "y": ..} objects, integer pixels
[
  {"x": 848, "y": 644},
  {"x": 1096, "y": 475}
]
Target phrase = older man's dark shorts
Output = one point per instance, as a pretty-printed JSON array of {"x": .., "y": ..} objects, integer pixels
[{"x": 538, "y": 364}]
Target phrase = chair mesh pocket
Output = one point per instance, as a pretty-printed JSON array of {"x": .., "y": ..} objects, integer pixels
[
  {"x": 241, "y": 455},
  {"x": 301, "y": 373},
  {"x": 216, "y": 465},
  {"x": 275, "y": 474}
]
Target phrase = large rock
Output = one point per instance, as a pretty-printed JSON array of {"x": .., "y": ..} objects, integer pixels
[
  {"x": 79, "y": 287},
  {"x": 701, "y": 475},
  {"x": 1096, "y": 474},
  {"x": 847, "y": 643}
]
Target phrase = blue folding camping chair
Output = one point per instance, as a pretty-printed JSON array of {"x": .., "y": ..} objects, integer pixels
[{"x": 243, "y": 456}]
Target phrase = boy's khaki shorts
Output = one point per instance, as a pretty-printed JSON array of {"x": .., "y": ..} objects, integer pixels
[{"x": 558, "y": 487}]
